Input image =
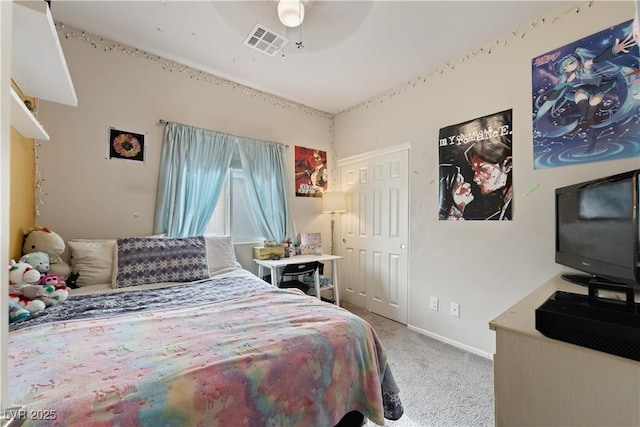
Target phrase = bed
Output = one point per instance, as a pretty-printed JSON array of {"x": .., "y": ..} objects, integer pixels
[{"x": 186, "y": 337}]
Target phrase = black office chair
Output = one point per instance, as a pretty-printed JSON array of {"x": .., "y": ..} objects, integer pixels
[{"x": 294, "y": 271}]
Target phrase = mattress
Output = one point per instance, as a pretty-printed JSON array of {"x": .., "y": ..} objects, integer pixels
[{"x": 230, "y": 350}]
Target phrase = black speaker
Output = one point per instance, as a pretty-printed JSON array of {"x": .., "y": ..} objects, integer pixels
[{"x": 609, "y": 326}]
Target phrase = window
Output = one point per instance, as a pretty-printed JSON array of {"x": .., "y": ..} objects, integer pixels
[{"x": 232, "y": 214}]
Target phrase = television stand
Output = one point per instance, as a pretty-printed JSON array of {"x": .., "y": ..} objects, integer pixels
[
  {"x": 601, "y": 287},
  {"x": 586, "y": 280},
  {"x": 578, "y": 279},
  {"x": 604, "y": 289}
]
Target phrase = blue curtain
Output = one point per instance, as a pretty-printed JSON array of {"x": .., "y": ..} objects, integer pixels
[
  {"x": 265, "y": 175},
  {"x": 193, "y": 169}
]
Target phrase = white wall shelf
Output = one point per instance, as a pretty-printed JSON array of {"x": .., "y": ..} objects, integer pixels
[
  {"x": 38, "y": 64},
  {"x": 24, "y": 121}
]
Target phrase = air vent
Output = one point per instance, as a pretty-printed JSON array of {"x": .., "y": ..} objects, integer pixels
[{"x": 263, "y": 39}]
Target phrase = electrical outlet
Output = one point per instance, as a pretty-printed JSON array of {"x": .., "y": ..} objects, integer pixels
[
  {"x": 433, "y": 303},
  {"x": 454, "y": 309}
]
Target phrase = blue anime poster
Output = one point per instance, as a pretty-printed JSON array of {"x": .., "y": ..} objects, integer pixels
[{"x": 586, "y": 100}]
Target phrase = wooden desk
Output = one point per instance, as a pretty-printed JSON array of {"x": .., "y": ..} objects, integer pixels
[
  {"x": 539, "y": 381},
  {"x": 273, "y": 266}
]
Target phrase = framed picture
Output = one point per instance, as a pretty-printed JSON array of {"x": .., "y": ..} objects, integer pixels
[
  {"x": 126, "y": 145},
  {"x": 585, "y": 100},
  {"x": 476, "y": 169},
  {"x": 310, "y": 172}
]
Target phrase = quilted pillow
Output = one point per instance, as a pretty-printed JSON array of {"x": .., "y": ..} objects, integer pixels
[{"x": 143, "y": 260}]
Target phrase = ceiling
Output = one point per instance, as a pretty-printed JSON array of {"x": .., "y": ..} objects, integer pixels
[{"x": 352, "y": 50}]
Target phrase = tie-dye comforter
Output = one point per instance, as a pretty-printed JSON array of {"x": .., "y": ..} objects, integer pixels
[{"x": 259, "y": 356}]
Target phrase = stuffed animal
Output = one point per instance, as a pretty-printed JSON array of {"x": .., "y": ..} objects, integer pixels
[
  {"x": 55, "y": 287},
  {"x": 72, "y": 280},
  {"x": 21, "y": 273},
  {"x": 39, "y": 261},
  {"x": 32, "y": 298},
  {"x": 24, "y": 288},
  {"x": 16, "y": 312},
  {"x": 41, "y": 239}
]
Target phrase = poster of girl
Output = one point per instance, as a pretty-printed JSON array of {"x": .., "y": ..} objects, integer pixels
[{"x": 586, "y": 97}]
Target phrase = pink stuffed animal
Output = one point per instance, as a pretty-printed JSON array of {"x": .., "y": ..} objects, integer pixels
[{"x": 55, "y": 287}]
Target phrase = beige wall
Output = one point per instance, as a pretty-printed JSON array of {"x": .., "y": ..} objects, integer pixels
[
  {"x": 484, "y": 266},
  {"x": 88, "y": 195}
]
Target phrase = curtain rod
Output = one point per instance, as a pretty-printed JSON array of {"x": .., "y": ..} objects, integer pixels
[{"x": 163, "y": 122}]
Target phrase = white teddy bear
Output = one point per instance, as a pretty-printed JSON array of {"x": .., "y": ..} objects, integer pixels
[
  {"x": 24, "y": 288},
  {"x": 41, "y": 239}
]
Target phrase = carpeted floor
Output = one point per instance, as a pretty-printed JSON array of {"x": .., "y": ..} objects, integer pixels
[{"x": 440, "y": 385}]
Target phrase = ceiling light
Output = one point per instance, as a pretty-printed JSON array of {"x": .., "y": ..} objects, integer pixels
[{"x": 291, "y": 12}]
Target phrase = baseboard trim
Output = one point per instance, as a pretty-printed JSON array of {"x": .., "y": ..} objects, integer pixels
[{"x": 452, "y": 342}]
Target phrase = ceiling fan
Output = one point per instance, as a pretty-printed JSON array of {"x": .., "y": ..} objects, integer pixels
[
  {"x": 291, "y": 12},
  {"x": 322, "y": 23}
]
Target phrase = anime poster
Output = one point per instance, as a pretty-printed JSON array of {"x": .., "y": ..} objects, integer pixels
[
  {"x": 585, "y": 100},
  {"x": 476, "y": 169},
  {"x": 311, "y": 172}
]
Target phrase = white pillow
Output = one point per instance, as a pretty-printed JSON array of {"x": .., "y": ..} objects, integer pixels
[
  {"x": 220, "y": 252},
  {"x": 93, "y": 260}
]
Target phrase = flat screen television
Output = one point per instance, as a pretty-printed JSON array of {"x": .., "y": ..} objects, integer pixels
[{"x": 598, "y": 229}]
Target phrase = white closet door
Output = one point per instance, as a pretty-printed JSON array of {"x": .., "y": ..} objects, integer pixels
[{"x": 374, "y": 232}]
